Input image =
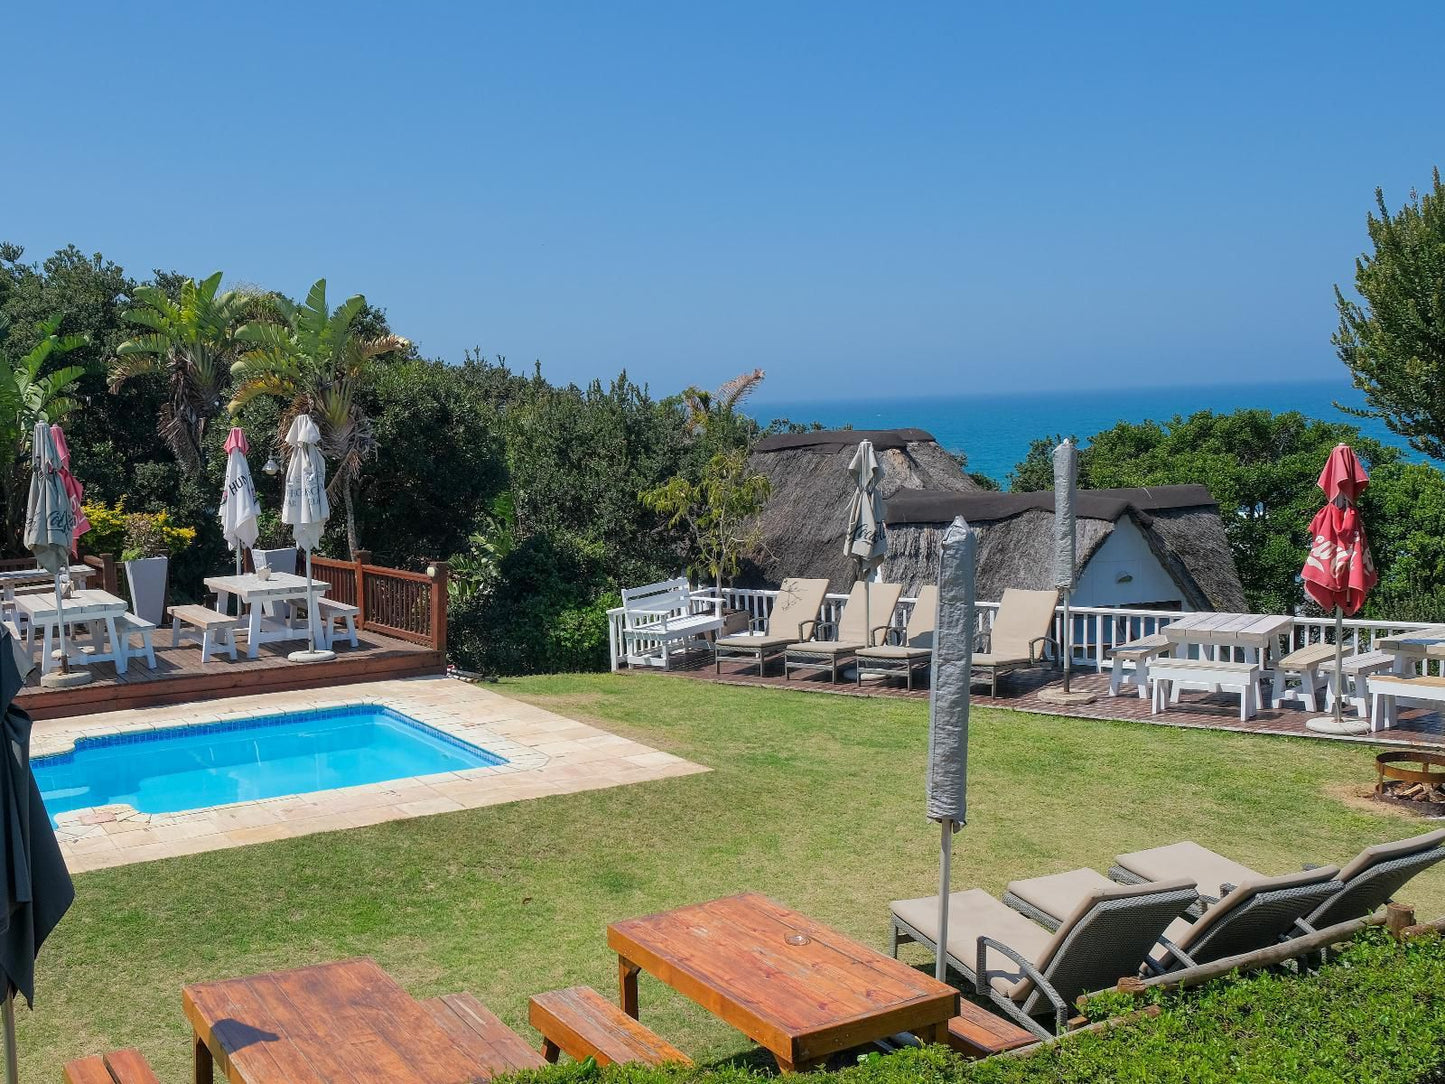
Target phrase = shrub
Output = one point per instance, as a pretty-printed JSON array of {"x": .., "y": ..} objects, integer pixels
[{"x": 134, "y": 534}]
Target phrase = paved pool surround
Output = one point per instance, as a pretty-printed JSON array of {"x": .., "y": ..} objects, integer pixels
[{"x": 545, "y": 754}]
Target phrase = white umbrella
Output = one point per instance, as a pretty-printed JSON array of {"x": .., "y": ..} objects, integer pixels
[
  {"x": 949, "y": 697},
  {"x": 306, "y": 509},
  {"x": 50, "y": 530},
  {"x": 865, "y": 541},
  {"x": 239, "y": 507}
]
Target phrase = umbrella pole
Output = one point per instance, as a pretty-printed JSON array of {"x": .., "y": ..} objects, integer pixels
[
  {"x": 60, "y": 622},
  {"x": 12, "y": 1062},
  {"x": 1067, "y": 639},
  {"x": 310, "y": 608},
  {"x": 1339, "y": 665},
  {"x": 945, "y": 864}
]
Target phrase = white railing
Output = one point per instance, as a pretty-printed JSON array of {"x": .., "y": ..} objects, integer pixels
[{"x": 1096, "y": 629}]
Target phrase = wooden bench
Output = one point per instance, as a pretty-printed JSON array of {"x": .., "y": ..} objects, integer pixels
[
  {"x": 1356, "y": 669},
  {"x": 1386, "y": 688},
  {"x": 476, "y": 1029},
  {"x": 1297, "y": 676},
  {"x": 1138, "y": 653},
  {"x": 335, "y": 614},
  {"x": 127, "y": 1066},
  {"x": 977, "y": 1033},
  {"x": 215, "y": 629},
  {"x": 660, "y": 618},
  {"x": 128, "y": 625},
  {"x": 581, "y": 1023},
  {"x": 1169, "y": 675}
]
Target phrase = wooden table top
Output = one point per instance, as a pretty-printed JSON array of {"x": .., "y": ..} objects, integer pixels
[
  {"x": 277, "y": 585},
  {"x": 346, "y": 1021},
  {"x": 41, "y": 607},
  {"x": 802, "y": 1001},
  {"x": 1427, "y": 643},
  {"x": 39, "y": 575},
  {"x": 1244, "y": 630}
]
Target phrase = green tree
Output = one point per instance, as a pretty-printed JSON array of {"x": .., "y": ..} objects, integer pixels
[
  {"x": 316, "y": 361},
  {"x": 719, "y": 512},
  {"x": 29, "y": 394},
  {"x": 190, "y": 340},
  {"x": 1394, "y": 343},
  {"x": 1036, "y": 470}
]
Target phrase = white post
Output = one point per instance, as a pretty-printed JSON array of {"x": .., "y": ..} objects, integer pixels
[{"x": 945, "y": 863}]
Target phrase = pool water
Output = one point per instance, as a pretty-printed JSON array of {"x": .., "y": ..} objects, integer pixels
[{"x": 193, "y": 767}]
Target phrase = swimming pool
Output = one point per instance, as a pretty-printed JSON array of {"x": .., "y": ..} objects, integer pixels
[{"x": 193, "y": 767}]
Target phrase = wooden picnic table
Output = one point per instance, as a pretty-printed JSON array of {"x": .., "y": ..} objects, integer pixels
[
  {"x": 95, "y": 609},
  {"x": 1416, "y": 645},
  {"x": 1259, "y": 633},
  {"x": 341, "y": 1022},
  {"x": 794, "y": 986},
  {"x": 257, "y": 594},
  {"x": 38, "y": 577}
]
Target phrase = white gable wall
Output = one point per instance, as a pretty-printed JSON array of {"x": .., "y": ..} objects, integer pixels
[{"x": 1126, "y": 553}]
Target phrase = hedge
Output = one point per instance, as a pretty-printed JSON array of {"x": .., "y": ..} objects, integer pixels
[{"x": 1375, "y": 1013}]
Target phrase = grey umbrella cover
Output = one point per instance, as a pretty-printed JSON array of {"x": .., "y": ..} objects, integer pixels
[
  {"x": 1066, "y": 485},
  {"x": 952, "y": 671}
]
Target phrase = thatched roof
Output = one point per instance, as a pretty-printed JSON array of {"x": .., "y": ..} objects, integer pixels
[
  {"x": 1180, "y": 523},
  {"x": 804, "y": 521}
]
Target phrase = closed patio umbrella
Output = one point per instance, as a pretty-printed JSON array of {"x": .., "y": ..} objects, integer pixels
[
  {"x": 1339, "y": 572},
  {"x": 73, "y": 489},
  {"x": 50, "y": 534},
  {"x": 1066, "y": 485},
  {"x": 306, "y": 509},
  {"x": 240, "y": 509},
  {"x": 38, "y": 890},
  {"x": 948, "y": 703},
  {"x": 864, "y": 540}
]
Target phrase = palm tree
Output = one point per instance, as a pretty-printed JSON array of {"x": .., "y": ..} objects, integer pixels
[
  {"x": 28, "y": 394},
  {"x": 315, "y": 361},
  {"x": 191, "y": 341},
  {"x": 706, "y": 408}
]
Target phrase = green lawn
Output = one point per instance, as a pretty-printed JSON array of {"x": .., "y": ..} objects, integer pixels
[{"x": 816, "y": 800}]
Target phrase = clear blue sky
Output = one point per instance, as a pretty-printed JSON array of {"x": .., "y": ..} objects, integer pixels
[{"x": 858, "y": 197}]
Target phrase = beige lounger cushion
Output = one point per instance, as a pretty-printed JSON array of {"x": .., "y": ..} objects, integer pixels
[
  {"x": 983, "y": 658},
  {"x": 1204, "y": 867},
  {"x": 1384, "y": 852},
  {"x": 1059, "y": 893},
  {"x": 1185, "y": 933},
  {"x": 755, "y": 643},
  {"x": 893, "y": 652},
  {"x": 1023, "y": 617},
  {"x": 974, "y": 914},
  {"x": 822, "y": 647}
]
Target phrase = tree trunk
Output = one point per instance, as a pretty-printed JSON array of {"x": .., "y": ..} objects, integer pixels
[{"x": 352, "y": 542}]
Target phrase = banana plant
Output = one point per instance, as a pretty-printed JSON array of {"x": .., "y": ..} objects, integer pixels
[
  {"x": 315, "y": 360},
  {"x": 190, "y": 341}
]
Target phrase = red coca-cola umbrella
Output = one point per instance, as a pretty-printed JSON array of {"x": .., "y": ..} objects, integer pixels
[{"x": 1339, "y": 571}]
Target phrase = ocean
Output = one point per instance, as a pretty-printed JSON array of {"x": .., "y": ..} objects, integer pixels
[{"x": 994, "y": 431}]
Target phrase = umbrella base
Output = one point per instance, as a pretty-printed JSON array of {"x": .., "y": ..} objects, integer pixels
[
  {"x": 1058, "y": 696},
  {"x": 311, "y": 656},
  {"x": 65, "y": 679},
  {"x": 1328, "y": 724}
]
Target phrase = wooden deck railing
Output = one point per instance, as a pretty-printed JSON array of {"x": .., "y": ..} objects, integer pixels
[{"x": 408, "y": 605}]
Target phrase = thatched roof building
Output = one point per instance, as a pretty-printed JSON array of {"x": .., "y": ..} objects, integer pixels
[
  {"x": 1163, "y": 547},
  {"x": 804, "y": 521}
]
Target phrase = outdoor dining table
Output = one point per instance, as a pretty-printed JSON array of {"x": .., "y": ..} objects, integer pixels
[
  {"x": 38, "y": 577},
  {"x": 340, "y": 1022},
  {"x": 1257, "y": 634},
  {"x": 256, "y": 594},
  {"x": 1418, "y": 645},
  {"x": 96, "y": 609},
  {"x": 796, "y": 987}
]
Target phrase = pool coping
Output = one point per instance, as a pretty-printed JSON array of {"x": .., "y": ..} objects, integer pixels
[{"x": 545, "y": 753}]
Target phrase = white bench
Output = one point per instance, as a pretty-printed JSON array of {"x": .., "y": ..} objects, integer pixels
[
  {"x": 1298, "y": 675},
  {"x": 1170, "y": 675},
  {"x": 128, "y": 625},
  {"x": 662, "y": 618},
  {"x": 335, "y": 614},
  {"x": 1385, "y": 689},
  {"x": 1136, "y": 653},
  {"x": 215, "y": 629},
  {"x": 1356, "y": 669}
]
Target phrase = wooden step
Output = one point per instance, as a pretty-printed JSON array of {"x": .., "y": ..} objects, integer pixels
[
  {"x": 476, "y": 1029},
  {"x": 977, "y": 1033},
  {"x": 581, "y": 1023},
  {"x": 127, "y": 1066}
]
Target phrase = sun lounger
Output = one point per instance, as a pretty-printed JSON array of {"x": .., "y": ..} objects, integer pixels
[
  {"x": 797, "y": 603},
  {"x": 1370, "y": 879},
  {"x": 1023, "y": 624},
  {"x": 1255, "y": 914},
  {"x": 915, "y": 649},
  {"x": 829, "y": 646},
  {"x": 1027, "y": 970}
]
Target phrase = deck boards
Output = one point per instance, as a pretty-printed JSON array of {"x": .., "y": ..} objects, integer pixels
[{"x": 180, "y": 676}]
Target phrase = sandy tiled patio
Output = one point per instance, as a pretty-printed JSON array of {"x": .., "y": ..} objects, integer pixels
[{"x": 546, "y": 754}]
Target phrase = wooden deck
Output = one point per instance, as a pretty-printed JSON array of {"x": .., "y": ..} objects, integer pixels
[
  {"x": 1019, "y": 691},
  {"x": 179, "y": 675}
]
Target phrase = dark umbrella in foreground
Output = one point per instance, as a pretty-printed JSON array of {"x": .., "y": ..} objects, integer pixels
[
  {"x": 1339, "y": 572},
  {"x": 37, "y": 885},
  {"x": 948, "y": 703}
]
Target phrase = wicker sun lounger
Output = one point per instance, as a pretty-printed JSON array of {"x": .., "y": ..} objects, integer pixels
[
  {"x": 1023, "y": 624},
  {"x": 1031, "y": 972},
  {"x": 827, "y": 645},
  {"x": 915, "y": 649},
  {"x": 797, "y": 603}
]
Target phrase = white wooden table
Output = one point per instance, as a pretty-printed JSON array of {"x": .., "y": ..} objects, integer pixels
[
  {"x": 256, "y": 594},
  {"x": 92, "y": 608},
  {"x": 1256, "y": 634},
  {"x": 1419, "y": 645}
]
